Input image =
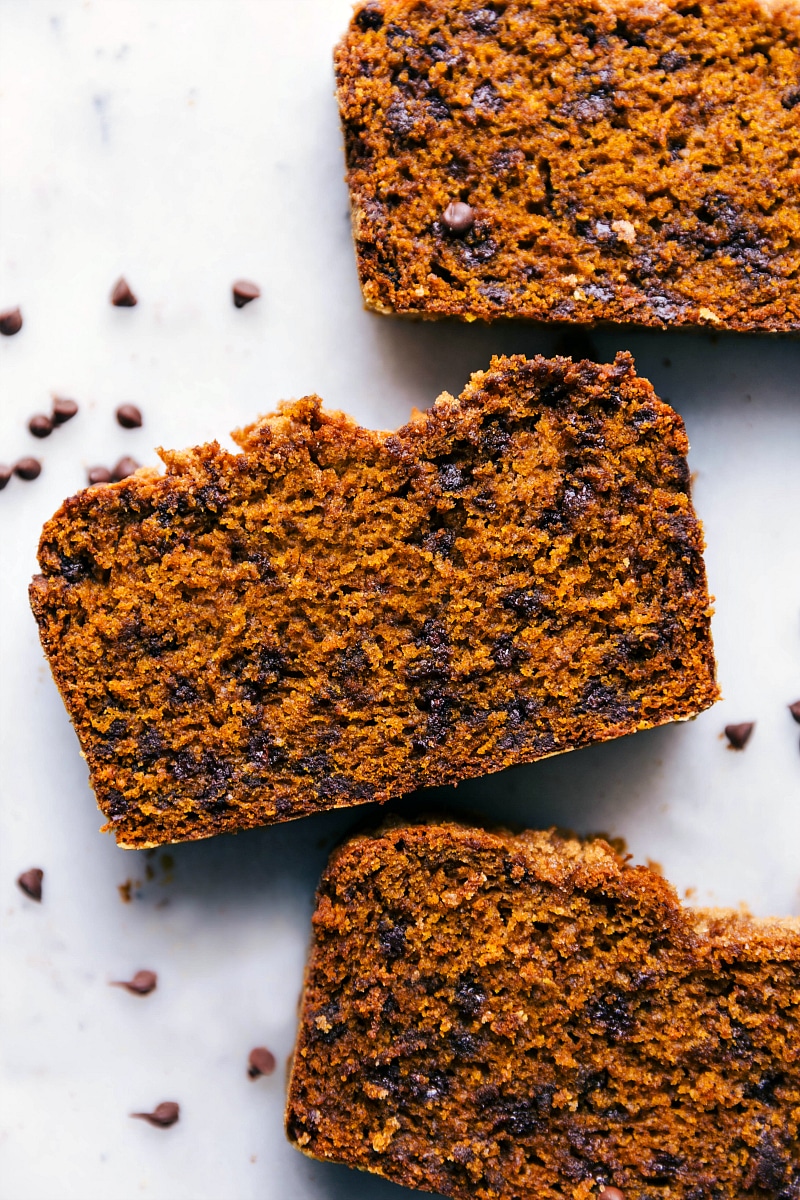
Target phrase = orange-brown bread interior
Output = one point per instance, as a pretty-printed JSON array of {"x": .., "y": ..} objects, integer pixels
[
  {"x": 524, "y": 1017},
  {"x": 337, "y": 615},
  {"x": 623, "y": 162}
]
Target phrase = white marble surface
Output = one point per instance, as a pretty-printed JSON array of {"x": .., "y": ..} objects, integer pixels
[{"x": 185, "y": 143}]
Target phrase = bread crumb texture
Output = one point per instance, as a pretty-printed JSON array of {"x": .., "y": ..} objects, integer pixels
[
  {"x": 335, "y": 615},
  {"x": 526, "y": 1017},
  {"x": 623, "y": 162}
]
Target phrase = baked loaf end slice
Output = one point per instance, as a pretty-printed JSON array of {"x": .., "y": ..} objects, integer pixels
[
  {"x": 336, "y": 615},
  {"x": 619, "y": 162},
  {"x": 496, "y": 1016}
]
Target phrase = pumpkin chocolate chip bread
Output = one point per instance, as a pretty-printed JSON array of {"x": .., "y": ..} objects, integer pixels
[
  {"x": 528, "y": 1018},
  {"x": 337, "y": 615},
  {"x": 576, "y": 161}
]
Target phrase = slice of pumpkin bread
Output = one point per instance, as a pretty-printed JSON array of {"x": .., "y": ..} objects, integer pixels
[
  {"x": 337, "y": 615},
  {"x": 576, "y": 161},
  {"x": 496, "y": 1016}
]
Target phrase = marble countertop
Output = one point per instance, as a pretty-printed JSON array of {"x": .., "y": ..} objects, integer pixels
[{"x": 186, "y": 144}]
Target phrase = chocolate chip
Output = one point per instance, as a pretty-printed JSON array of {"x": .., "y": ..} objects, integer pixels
[
  {"x": 122, "y": 296},
  {"x": 98, "y": 475},
  {"x": 483, "y": 21},
  {"x": 28, "y": 468},
  {"x": 369, "y": 17},
  {"x": 739, "y": 735},
  {"x": 244, "y": 291},
  {"x": 142, "y": 984},
  {"x": 260, "y": 1062},
  {"x": 450, "y": 478},
  {"x": 162, "y": 1116},
  {"x": 673, "y": 61},
  {"x": 30, "y": 882},
  {"x": 124, "y": 468},
  {"x": 40, "y": 426},
  {"x": 5, "y": 475},
  {"x": 63, "y": 409},
  {"x": 10, "y": 322},
  {"x": 458, "y": 217},
  {"x": 794, "y": 709},
  {"x": 611, "y": 1193},
  {"x": 129, "y": 416}
]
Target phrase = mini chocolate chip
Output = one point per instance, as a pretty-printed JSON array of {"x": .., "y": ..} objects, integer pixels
[
  {"x": 122, "y": 296},
  {"x": 98, "y": 475},
  {"x": 124, "y": 468},
  {"x": 30, "y": 882},
  {"x": 794, "y": 709},
  {"x": 260, "y": 1062},
  {"x": 28, "y": 468},
  {"x": 244, "y": 291},
  {"x": 162, "y": 1116},
  {"x": 142, "y": 984},
  {"x": 5, "y": 475},
  {"x": 10, "y": 322},
  {"x": 369, "y": 17},
  {"x": 611, "y": 1193},
  {"x": 40, "y": 425},
  {"x": 129, "y": 416},
  {"x": 63, "y": 409},
  {"x": 458, "y": 217},
  {"x": 739, "y": 735}
]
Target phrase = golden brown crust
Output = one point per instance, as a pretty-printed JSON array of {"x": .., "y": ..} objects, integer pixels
[
  {"x": 336, "y": 615},
  {"x": 623, "y": 161},
  {"x": 489, "y": 1015}
]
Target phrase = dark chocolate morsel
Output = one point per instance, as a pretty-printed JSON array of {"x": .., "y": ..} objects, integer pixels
[
  {"x": 98, "y": 475},
  {"x": 41, "y": 426},
  {"x": 129, "y": 416},
  {"x": 10, "y": 322},
  {"x": 63, "y": 409},
  {"x": 458, "y": 217},
  {"x": 739, "y": 735},
  {"x": 124, "y": 468},
  {"x": 369, "y": 17},
  {"x": 162, "y": 1116},
  {"x": 122, "y": 296},
  {"x": 5, "y": 475},
  {"x": 260, "y": 1062},
  {"x": 30, "y": 882},
  {"x": 244, "y": 291},
  {"x": 142, "y": 984},
  {"x": 28, "y": 468},
  {"x": 794, "y": 709}
]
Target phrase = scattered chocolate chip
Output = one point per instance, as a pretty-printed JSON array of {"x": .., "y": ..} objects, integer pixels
[
  {"x": 40, "y": 425},
  {"x": 458, "y": 217},
  {"x": 142, "y": 984},
  {"x": 28, "y": 468},
  {"x": 244, "y": 291},
  {"x": 98, "y": 475},
  {"x": 739, "y": 735},
  {"x": 122, "y": 296},
  {"x": 10, "y": 322},
  {"x": 369, "y": 17},
  {"x": 611, "y": 1193},
  {"x": 30, "y": 882},
  {"x": 162, "y": 1116},
  {"x": 794, "y": 709},
  {"x": 63, "y": 409},
  {"x": 260, "y": 1062},
  {"x": 5, "y": 475},
  {"x": 129, "y": 416},
  {"x": 124, "y": 468}
]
